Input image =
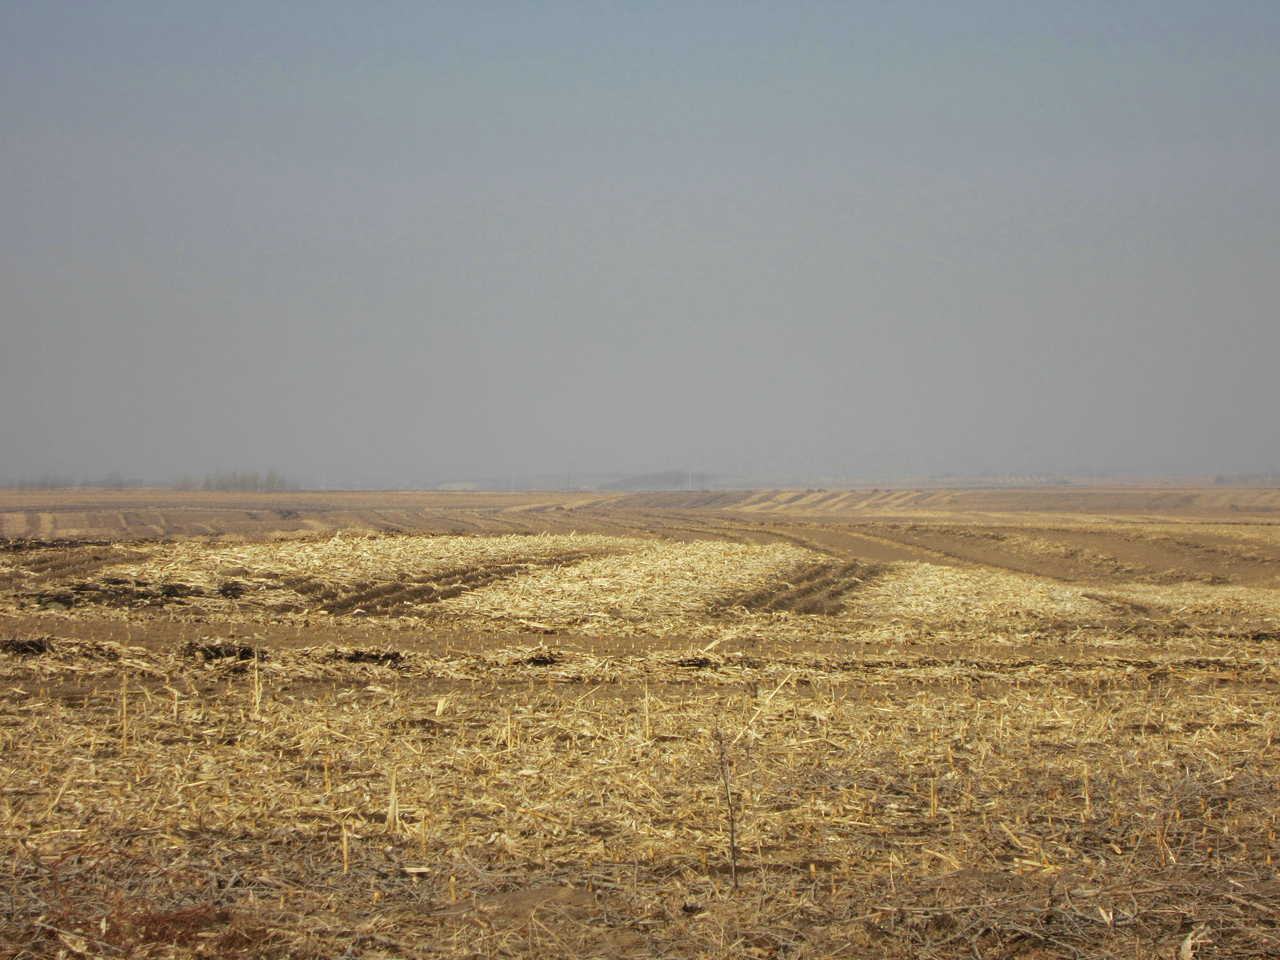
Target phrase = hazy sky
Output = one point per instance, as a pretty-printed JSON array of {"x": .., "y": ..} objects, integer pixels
[{"x": 388, "y": 243}]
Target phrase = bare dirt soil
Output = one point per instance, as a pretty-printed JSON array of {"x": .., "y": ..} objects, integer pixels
[{"x": 990, "y": 723}]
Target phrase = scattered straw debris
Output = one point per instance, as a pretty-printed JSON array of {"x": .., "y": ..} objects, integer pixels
[
  {"x": 934, "y": 598},
  {"x": 593, "y": 586},
  {"x": 545, "y": 803},
  {"x": 710, "y": 750},
  {"x": 653, "y": 585}
]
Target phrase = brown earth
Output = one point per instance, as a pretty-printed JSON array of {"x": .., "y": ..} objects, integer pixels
[
  {"x": 147, "y": 513},
  {"x": 1094, "y": 535},
  {"x": 998, "y": 723}
]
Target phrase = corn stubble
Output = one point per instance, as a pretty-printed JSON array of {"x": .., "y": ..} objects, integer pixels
[{"x": 856, "y": 794}]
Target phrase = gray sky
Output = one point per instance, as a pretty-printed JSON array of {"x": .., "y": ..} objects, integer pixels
[{"x": 390, "y": 243}]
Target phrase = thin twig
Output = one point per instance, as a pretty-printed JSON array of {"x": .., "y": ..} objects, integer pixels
[{"x": 728, "y": 802}]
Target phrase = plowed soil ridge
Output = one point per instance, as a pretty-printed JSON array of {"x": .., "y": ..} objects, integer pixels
[
  {"x": 399, "y": 597},
  {"x": 818, "y": 588}
]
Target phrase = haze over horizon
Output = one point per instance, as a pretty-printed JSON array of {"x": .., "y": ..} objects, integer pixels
[{"x": 388, "y": 244}]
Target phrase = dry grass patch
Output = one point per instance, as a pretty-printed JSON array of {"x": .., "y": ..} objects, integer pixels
[
  {"x": 535, "y": 803},
  {"x": 656, "y": 586},
  {"x": 936, "y": 598}
]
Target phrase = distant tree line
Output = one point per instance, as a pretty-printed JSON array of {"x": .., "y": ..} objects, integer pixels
[
  {"x": 225, "y": 481},
  {"x": 43, "y": 483},
  {"x": 112, "y": 481}
]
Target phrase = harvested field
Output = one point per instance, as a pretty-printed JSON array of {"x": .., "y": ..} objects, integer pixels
[{"x": 688, "y": 735}]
